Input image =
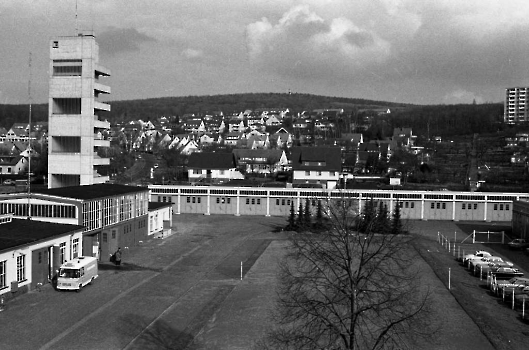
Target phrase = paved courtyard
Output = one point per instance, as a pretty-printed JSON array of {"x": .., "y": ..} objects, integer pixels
[{"x": 185, "y": 291}]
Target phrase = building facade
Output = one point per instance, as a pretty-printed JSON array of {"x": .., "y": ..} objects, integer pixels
[
  {"x": 74, "y": 112},
  {"x": 112, "y": 215},
  {"x": 414, "y": 205},
  {"x": 31, "y": 252},
  {"x": 516, "y": 107}
]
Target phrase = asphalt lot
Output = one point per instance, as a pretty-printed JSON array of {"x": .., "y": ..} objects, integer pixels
[{"x": 185, "y": 292}]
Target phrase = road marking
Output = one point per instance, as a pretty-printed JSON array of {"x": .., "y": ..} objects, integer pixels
[{"x": 104, "y": 307}]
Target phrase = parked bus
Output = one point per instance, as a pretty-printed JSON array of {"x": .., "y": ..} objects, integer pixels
[{"x": 77, "y": 273}]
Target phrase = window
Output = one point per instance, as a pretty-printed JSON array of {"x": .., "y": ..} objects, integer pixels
[
  {"x": 55, "y": 45},
  {"x": 495, "y": 206},
  {"x": 319, "y": 173},
  {"x": 253, "y": 200},
  {"x": 228, "y": 200},
  {"x": 247, "y": 200},
  {"x": 432, "y": 205},
  {"x": 475, "y": 206},
  {"x": 412, "y": 204},
  {"x": 3, "y": 274},
  {"x": 444, "y": 205},
  {"x": 21, "y": 268},
  {"x": 188, "y": 199},
  {"x": 463, "y": 206},
  {"x": 105, "y": 238},
  {"x": 407, "y": 204},
  {"x": 258, "y": 200},
  {"x": 506, "y": 206},
  {"x": 218, "y": 200},
  {"x": 113, "y": 234},
  {"x": 307, "y": 173},
  {"x": 62, "y": 252},
  {"x": 277, "y": 201},
  {"x": 75, "y": 248},
  {"x": 438, "y": 205},
  {"x": 501, "y": 206}
]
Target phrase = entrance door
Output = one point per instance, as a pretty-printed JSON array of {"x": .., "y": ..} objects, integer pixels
[{"x": 39, "y": 267}]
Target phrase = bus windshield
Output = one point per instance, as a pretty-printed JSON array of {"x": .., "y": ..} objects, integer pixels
[{"x": 69, "y": 273}]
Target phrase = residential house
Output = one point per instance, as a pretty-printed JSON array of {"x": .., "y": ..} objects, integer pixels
[
  {"x": 232, "y": 138},
  {"x": 316, "y": 166},
  {"x": 236, "y": 125},
  {"x": 12, "y": 165},
  {"x": 212, "y": 167},
  {"x": 264, "y": 161},
  {"x": 404, "y": 137}
]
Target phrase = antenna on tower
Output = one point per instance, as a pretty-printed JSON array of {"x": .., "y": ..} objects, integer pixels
[
  {"x": 28, "y": 149},
  {"x": 76, "y": 25}
]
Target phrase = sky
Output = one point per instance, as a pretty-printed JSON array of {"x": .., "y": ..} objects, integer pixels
[{"x": 408, "y": 51}]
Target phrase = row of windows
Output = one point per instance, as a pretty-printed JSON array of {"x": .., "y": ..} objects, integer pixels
[
  {"x": 40, "y": 210},
  {"x": 501, "y": 206},
  {"x": 471, "y": 197},
  {"x": 282, "y": 201},
  {"x": 501, "y": 198},
  {"x": 253, "y": 200},
  {"x": 319, "y": 173},
  {"x": 222, "y": 200},
  {"x": 165, "y": 199},
  {"x": 194, "y": 190},
  {"x": 438, "y": 205},
  {"x": 468, "y": 206},
  {"x": 193, "y": 199},
  {"x": 253, "y": 193}
]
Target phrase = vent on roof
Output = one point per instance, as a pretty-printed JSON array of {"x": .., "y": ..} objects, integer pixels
[{"x": 6, "y": 218}]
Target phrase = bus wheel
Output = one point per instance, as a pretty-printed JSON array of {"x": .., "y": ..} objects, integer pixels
[
  {"x": 80, "y": 287},
  {"x": 91, "y": 280}
]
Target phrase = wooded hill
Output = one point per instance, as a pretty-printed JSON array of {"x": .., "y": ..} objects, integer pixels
[{"x": 432, "y": 119}]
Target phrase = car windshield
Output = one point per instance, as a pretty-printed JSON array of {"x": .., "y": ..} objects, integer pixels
[{"x": 69, "y": 273}]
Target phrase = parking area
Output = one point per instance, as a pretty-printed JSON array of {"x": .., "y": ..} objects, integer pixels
[{"x": 503, "y": 326}]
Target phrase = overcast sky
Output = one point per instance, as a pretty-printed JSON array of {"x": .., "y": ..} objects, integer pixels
[{"x": 415, "y": 51}]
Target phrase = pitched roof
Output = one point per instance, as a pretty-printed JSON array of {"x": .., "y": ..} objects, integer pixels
[
  {"x": 211, "y": 160},
  {"x": 316, "y": 158},
  {"x": 21, "y": 232},
  {"x": 91, "y": 191}
]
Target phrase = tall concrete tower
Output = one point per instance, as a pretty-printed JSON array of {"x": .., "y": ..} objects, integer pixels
[{"x": 75, "y": 131}]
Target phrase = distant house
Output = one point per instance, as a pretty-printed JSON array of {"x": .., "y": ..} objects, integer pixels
[
  {"x": 13, "y": 165},
  {"x": 263, "y": 161},
  {"x": 217, "y": 167},
  {"x": 404, "y": 137},
  {"x": 316, "y": 165}
]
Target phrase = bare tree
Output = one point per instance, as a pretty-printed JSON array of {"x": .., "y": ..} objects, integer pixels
[{"x": 342, "y": 289}]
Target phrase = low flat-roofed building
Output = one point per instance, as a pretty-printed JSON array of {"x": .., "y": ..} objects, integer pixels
[
  {"x": 161, "y": 218},
  {"x": 31, "y": 252},
  {"x": 112, "y": 215}
]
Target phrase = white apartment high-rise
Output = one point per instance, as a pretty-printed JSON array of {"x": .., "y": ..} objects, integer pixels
[
  {"x": 516, "y": 109},
  {"x": 74, "y": 126}
]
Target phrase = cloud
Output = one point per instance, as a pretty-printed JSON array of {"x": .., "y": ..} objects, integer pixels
[
  {"x": 303, "y": 44},
  {"x": 117, "y": 40},
  {"x": 192, "y": 54}
]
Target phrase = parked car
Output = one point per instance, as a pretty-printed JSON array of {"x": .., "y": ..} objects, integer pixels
[
  {"x": 477, "y": 254},
  {"x": 475, "y": 263},
  {"x": 505, "y": 272},
  {"x": 8, "y": 182},
  {"x": 514, "y": 281},
  {"x": 518, "y": 244},
  {"x": 496, "y": 268}
]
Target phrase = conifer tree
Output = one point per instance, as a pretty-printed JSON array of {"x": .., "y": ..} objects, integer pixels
[
  {"x": 292, "y": 218},
  {"x": 307, "y": 219},
  {"x": 396, "y": 224},
  {"x": 301, "y": 217}
]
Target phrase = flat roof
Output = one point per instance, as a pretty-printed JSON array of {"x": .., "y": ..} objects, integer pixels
[
  {"x": 91, "y": 191},
  {"x": 158, "y": 205},
  {"x": 20, "y": 232}
]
